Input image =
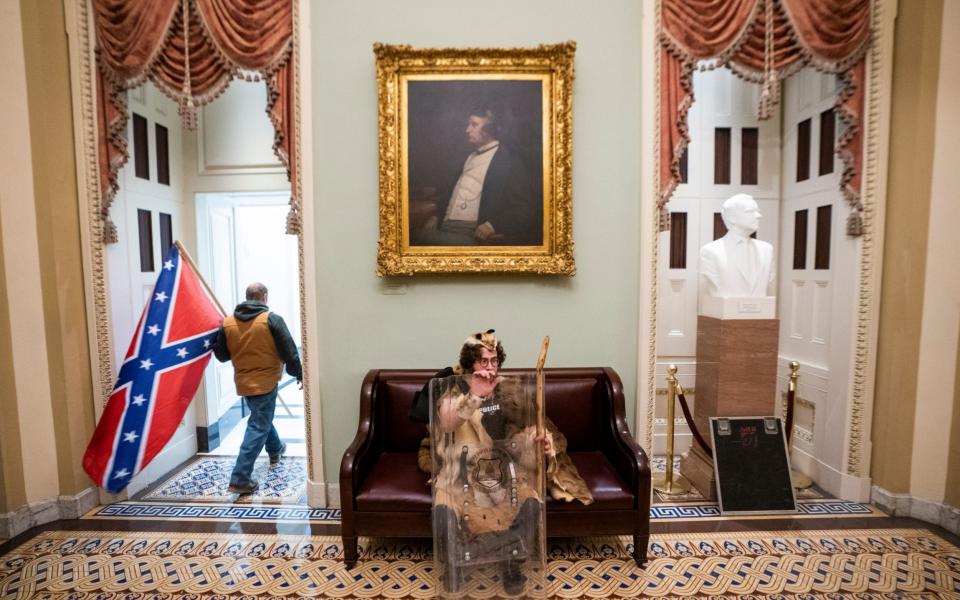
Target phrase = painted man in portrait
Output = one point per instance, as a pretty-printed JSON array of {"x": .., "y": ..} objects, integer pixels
[{"x": 492, "y": 201}]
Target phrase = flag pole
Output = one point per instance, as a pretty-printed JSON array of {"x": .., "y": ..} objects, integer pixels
[{"x": 193, "y": 265}]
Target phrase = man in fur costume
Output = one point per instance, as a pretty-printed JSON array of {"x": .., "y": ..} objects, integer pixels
[
  {"x": 563, "y": 480},
  {"x": 487, "y": 498}
]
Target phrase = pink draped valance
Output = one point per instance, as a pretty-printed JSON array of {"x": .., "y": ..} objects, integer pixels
[
  {"x": 763, "y": 41},
  {"x": 191, "y": 50}
]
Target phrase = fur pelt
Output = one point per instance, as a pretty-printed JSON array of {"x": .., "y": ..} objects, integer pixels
[{"x": 563, "y": 480}]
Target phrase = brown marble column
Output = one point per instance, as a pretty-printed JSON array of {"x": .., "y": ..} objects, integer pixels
[{"x": 736, "y": 377}]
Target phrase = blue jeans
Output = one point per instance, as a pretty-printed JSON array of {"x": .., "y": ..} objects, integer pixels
[{"x": 260, "y": 431}]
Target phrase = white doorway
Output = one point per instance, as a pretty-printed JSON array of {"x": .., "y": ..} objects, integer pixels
[{"x": 241, "y": 240}]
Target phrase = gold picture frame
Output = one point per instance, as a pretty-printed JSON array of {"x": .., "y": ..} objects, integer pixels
[{"x": 513, "y": 212}]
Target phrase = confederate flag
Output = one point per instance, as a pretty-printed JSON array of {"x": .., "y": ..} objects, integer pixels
[{"x": 158, "y": 378}]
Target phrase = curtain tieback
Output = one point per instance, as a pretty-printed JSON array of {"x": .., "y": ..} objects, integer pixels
[
  {"x": 187, "y": 107},
  {"x": 770, "y": 93}
]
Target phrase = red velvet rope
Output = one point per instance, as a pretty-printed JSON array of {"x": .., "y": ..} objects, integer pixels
[
  {"x": 791, "y": 396},
  {"x": 692, "y": 425}
]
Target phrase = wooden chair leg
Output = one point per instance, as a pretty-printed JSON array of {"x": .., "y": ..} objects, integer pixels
[
  {"x": 640, "y": 542},
  {"x": 350, "y": 555}
]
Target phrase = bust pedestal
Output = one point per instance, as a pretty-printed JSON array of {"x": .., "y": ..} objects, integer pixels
[
  {"x": 736, "y": 377},
  {"x": 751, "y": 308}
]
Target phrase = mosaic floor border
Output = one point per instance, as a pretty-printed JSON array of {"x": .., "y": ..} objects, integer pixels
[
  {"x": 683, "y": 511},
  {"x": 264, "y": 513},
  {"x": 869, "y": 563},
  {"x": 267, "y": 513}
]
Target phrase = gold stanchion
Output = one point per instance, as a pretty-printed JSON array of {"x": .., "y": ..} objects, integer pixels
[
  {"x": 800, "y": 480},
  {"x": 666, "y": 484}
]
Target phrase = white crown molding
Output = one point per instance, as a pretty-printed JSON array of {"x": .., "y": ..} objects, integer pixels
[{"x": 207, "y": 169}]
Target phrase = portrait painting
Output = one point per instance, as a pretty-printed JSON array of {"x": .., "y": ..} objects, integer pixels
[{"x": 474, "y": 160}]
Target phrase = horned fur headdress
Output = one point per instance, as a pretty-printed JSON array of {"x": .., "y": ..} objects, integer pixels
[
  {"x": 485, "y": 339},
  {"x": 470, "y": 350}
]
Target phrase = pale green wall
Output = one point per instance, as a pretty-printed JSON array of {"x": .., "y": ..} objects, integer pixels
[{"x": 591, "y": 318}]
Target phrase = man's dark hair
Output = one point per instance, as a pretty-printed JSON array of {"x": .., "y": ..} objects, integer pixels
[
  {"x": 470, "y": 354},
  {"x": 493, "y": 121},
  {"x": 256, "y": 291}
]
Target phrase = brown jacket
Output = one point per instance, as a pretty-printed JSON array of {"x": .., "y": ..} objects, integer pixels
[{"x": 258, "y": 343}]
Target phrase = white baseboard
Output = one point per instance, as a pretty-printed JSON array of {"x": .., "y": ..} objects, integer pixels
[
  {"x": 681, "y": 443},
  {"x": 841, "y": 485},
  {"x": 109, "y": 498},
  {"x": 905, "y": 505},
  {"x": 74, "y": 507},
  {"x": 333, "y": 495},
  {"x": 317, "y": 496},
  {"x": 44, "y": 511},
  {"x": 322, "y": 494}
]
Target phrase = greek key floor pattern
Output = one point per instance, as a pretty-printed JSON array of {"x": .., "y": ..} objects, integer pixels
[
  {"x": 189, "y": 511},
  {"x": 869, "y": 563},
  {"x": 270, "y": 513}
]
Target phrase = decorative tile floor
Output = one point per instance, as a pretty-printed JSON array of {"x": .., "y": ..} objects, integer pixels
[
  {"x": 208, "y": 477},
  {"x": 877, "y": 563}
]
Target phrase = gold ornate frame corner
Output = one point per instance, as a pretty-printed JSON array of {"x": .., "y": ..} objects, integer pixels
[{"x": 554, "y": 63}]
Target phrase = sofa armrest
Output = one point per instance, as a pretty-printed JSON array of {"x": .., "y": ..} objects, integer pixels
[
  {"x": 621, "y": 449},
  {"x": 359, "y": 457}
]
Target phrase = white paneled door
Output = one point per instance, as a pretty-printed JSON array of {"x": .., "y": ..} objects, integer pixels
[
  {"x": 149, "y": 213},
  {"x": 241, "y": 239}
]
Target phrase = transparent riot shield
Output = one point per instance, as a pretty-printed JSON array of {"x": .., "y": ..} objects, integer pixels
[{"x": 488, "y": 490}]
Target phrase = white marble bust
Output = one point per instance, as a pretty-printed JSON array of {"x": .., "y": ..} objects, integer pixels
[{"x": 736, "y": 265}]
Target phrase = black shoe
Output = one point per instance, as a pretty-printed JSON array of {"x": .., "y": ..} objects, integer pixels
[
  {"x": 513, "y": 581},
  {"x": 275, "y": 458},
  {"x": 242, "y": 490}
]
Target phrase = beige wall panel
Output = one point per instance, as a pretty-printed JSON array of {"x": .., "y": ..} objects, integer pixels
[
  {"x": 941, "y": 300},
  {"x": 21, "y": 252},
  {"x": 12, "y": 492},
  {"x": 3, "y": 489},
  {"x": 915, "y": 68},
  {"x": 952, "y": 496},
  {"x": 58, "y": 219}
]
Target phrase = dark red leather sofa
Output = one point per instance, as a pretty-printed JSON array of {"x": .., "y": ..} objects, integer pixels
[{"x": 384, "y": 494}]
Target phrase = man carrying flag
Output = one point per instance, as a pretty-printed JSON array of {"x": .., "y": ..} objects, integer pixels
[
  {"x": 259, "y": 344},
  {"x": 159, "y": 375}
]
